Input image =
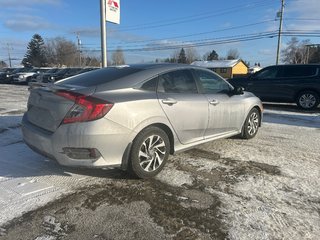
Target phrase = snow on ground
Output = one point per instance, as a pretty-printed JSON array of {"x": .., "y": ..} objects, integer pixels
[
  {"x": 281, "y": 204},
  {"x": 27, "y": 180},
  {"x": 284, "y": 205}
]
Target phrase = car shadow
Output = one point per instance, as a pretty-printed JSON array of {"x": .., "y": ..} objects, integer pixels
[
  {"x": 18, "y": 160},
  {"x": 291, "y": 115}
]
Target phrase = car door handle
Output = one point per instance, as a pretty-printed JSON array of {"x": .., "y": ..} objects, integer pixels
[
  {"x": 169, "y": 101},
  {"x": 214, "y": 102}
]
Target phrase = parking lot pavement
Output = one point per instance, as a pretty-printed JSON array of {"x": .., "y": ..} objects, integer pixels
[{"x": 264, "y": 188}]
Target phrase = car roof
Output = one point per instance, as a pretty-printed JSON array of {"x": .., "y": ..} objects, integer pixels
[
  {"x": 296, "y": 65},
  {"x": 139, "y": 74}
]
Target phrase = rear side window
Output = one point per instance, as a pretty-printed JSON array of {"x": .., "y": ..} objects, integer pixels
[
  {"x": 268, "y": 73},
  {"x": 299, "y": 71},
  {"x": 100, "y": 76},
  {"x": 180, "y": 81},
  {"x": 150, "y": 85}
]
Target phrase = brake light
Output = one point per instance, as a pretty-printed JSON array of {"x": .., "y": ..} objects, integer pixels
[{"x": 85, "y": 109}]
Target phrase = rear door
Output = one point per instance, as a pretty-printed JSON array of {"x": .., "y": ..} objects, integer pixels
[
  {"x": 265, "y": 82},
  {"x": 226, "y": 111},
  {"x": 185, "y": 108},
  {"x": 294, "y": 78}
]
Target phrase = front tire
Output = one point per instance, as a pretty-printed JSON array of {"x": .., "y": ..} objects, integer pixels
[
  {"x": 149, "y": 153},
  {"x": 251, "y": 125},
  {"x": 308, "y": 100}
]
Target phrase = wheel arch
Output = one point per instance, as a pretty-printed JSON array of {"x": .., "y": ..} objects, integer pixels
[
  {"x": 305, "y": 90},
  {"x": 162, "y": 126}
]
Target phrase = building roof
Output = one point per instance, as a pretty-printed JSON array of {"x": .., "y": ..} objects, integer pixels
[{"x": 217, "y": 63}]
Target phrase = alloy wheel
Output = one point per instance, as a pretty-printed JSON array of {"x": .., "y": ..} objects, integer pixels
[
  {"x": 307, "y": 100},
  {"x": 152, "y": 153},
  {"x": 253, "y": 123}
]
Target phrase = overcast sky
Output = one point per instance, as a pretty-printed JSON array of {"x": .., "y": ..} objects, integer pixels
[{"x": 161, "y": 24}]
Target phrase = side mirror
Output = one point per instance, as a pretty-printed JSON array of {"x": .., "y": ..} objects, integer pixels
[{"x": 238, "y": 90}]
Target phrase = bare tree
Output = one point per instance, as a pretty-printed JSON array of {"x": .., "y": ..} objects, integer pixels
[
  {"x": 61, "y": 52},
  {"x": 118, "y": 57},
  {"x": 233, "y": 54},
  {"x": 296, "y": 52},
  {"x": 91, "y": 61},
  {"x": 175, "y": 56},
  {"x": 191, "y": 55}
]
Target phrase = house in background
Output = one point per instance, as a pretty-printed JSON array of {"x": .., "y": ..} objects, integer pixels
[{"x": 225, "y": 68}]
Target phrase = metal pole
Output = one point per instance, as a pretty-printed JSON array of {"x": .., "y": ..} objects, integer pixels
[
  {"x": 279, "y": 33},
  {"x": 9, "y": 55},
  {"x": 79, "y": 48},
  {"x": 103, "y": 33}
]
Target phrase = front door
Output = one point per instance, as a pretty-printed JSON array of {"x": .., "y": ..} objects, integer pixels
[
  {"x": 226, "y": 111},
  {"x": 185, "y": 108}
]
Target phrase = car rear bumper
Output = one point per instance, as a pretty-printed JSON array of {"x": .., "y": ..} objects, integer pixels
[{"x": 111, "y": 142}]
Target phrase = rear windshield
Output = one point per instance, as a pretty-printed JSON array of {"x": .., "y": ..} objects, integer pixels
[{"x": 100, "y": 76}]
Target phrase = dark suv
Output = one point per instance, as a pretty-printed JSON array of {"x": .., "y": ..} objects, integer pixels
[{"x": 285, "y": 83}]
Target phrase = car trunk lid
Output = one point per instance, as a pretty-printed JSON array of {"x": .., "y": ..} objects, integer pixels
[{"x": 46, "y": 109}]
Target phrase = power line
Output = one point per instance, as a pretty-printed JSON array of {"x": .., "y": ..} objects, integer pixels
[
  {"x": 189, "y": 17},
  {"x": 197, "y": 34},
  {"x": 202, "y": 42},
  {"x": 303, "y": 19},
  {"x": 195, "y": 17},
  {"x": 216, "y": 41}
]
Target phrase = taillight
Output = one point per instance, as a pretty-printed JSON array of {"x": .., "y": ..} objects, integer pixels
[{"x": 85, "y": 109}]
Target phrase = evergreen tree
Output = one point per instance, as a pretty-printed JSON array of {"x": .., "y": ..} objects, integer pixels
[
  {"x": 182, "y": 56},
  {"x": 3, "y": 64},
  {"x": 35, "y": 55},
  {"x": 213, "y": 56}
]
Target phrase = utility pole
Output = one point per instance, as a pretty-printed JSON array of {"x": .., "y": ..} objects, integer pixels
[
  {"x": 9, "y": 54},
  {"x": 103, "y": 33},
  {"x": 79, "y": 48},
  {"x": 280, "y": 30}
]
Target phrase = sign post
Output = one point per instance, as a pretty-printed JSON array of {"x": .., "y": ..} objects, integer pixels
[{"x": 108, "y": 12}]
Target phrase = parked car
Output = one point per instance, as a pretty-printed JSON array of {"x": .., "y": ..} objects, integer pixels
[
  {"x": 133, "y": 117},
  {"x": 64, "y": 73},
  {"x": 298, "y": 84},
  {"x": 39, "y": 76},
  {"x": 46, "y": 77},
  {"x": 9, "y": 77},
  {"x": 4, "y": 74},
  {"x": 26, "y": 76}
]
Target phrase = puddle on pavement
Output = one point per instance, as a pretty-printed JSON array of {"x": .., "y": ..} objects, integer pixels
[
  {"x": 182, "y": 213},
  {"x": 166, "y": 208},
  {"x": 239, "y": 167}
]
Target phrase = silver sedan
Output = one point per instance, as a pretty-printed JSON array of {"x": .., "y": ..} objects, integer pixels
[{"x": 133, "y": 117}]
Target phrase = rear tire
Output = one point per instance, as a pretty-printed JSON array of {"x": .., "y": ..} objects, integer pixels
[
  {"x": 251, "y": 125},
  {"x": 149, "y": 153},
  {"x": 308, "y": 100}
]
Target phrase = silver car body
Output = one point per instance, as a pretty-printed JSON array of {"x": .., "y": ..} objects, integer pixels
[{"x": 189, "y": 119}]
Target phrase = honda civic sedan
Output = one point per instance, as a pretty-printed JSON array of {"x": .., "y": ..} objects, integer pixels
[{"x": 134, "y": 117}]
